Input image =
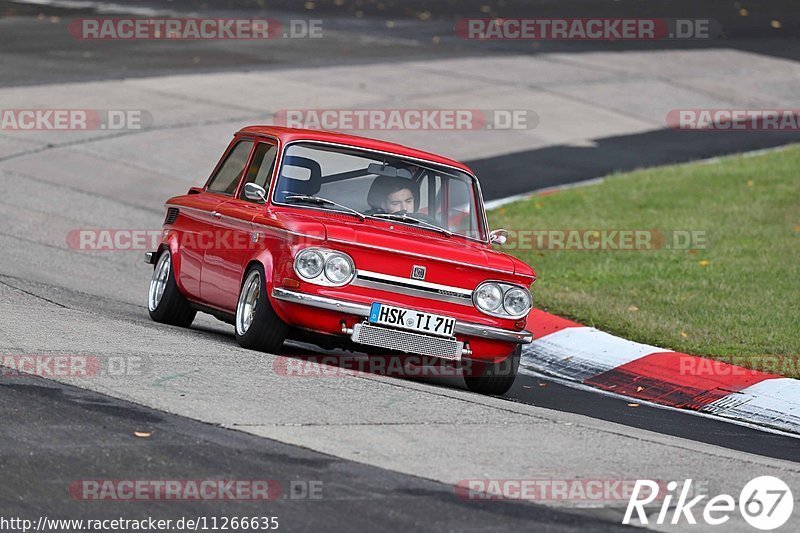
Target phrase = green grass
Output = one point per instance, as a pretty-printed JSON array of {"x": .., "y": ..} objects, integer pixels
[{"x": 736, "y": 299}]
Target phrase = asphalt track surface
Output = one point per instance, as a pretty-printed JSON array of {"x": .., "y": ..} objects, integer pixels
[
  {"x": 54, "y": 434},
  {"x": 91, "y": 436}
]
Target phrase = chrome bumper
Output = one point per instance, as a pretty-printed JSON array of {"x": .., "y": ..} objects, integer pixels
[{"x": 352, "y": 308}]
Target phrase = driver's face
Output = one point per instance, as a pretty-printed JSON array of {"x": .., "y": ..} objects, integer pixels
[{"x": 402, "y": 200}]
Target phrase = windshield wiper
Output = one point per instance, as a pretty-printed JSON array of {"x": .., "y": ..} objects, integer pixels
[
  {"x": 411, "y": 220},
  {"x": 323, "y": 201}
]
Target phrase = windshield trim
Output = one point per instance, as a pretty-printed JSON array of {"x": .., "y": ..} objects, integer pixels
[{"x": 475, "y": 182}]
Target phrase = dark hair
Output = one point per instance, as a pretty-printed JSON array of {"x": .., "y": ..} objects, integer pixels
[{"x": 383, "y": 186}]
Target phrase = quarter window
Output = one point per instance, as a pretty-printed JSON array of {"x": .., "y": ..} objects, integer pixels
[
  {"x": 227, "y": 177},
  {"x": 260, "y": 170}
]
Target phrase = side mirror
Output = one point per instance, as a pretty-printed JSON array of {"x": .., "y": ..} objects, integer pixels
[
  {"x": 254, "y": 191},
  {"x": 498, "y": 236}
]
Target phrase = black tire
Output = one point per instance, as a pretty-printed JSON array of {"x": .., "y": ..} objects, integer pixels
[
  {"x": 265, "y": 330},
  {"x": 493, "y": 378},
  {"x": 171, "y": 307}
]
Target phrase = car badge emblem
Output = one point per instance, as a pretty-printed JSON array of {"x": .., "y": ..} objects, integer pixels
[{"x": 418, "y": 272}]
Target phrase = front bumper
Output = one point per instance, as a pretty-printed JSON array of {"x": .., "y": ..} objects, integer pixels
[{"x": 352, "y": 308}]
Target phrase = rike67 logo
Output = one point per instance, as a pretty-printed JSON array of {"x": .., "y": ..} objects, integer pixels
[{"x": 766, "y": 503}]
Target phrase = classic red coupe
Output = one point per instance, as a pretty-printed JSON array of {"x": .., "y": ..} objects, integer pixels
[{"x": 349, "y": 242}]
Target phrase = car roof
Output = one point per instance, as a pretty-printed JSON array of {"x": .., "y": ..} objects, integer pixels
[{"x": 287, "y": 135}]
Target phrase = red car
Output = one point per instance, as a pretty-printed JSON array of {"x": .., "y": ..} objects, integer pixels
[{"x": 345, "y": 242}]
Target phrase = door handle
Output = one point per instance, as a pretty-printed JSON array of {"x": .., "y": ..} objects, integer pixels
[{"x": 216, "y": 214}]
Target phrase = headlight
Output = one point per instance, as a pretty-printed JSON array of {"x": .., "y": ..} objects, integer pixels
[
  {"x": 324, "y": 267},
  {"x": 517, "y": 301},
  {"x": 500, "y": 299},
  {"x": 489, "y": 297},
  {"x": 309, "y": 263},
  {"x": 338, "y": 269}
]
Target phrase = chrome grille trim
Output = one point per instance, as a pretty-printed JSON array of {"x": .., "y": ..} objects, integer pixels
[
  {"x": 413, "y": 287},
  {"x": 406, "y": 341}
]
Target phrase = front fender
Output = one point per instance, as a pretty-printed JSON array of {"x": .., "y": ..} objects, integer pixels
[
  {"x": 170, "y": 242},
  {"x": 272, "y": 275}
]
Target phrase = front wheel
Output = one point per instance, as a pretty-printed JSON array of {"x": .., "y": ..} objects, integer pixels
[
  {"x": 493, "y": 378},
  {"x": 165, "y": 302},
  {"x": 258, "y": 327}
]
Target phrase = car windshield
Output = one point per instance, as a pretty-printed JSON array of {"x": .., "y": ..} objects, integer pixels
[{"x": 381, "y": 186}]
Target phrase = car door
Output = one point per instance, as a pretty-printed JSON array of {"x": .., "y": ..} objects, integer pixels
[
  {"x": 197, "y": 219},
  {"x": 223, "y": 263},
  {"x": 193, "y": 226}
]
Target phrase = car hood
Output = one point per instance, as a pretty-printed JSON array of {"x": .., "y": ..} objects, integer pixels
[
  {"x": 399, "y": 239},
  {"x": 402, "y": 239}
]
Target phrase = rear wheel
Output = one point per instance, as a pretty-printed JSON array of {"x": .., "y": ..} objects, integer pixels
[
  {"x": 165, "y": 302},
  {"x": 258, "y": 327},
  {"x": 493, "y": 378}
]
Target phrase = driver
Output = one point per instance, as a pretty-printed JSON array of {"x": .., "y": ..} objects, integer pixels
[
  {"x": 391, "y": 195},
  {"x": 399, "y": 198}
]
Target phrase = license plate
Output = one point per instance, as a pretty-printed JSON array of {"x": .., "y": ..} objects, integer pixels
[{"x": 389, "y": 315}]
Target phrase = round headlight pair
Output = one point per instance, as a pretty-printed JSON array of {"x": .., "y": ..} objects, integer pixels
[
  {"x": 324, "y": 267},
  {"x": 502, "y": 299}
]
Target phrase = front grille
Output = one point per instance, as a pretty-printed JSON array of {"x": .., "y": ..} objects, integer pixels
[
  {"x": 413, "y": 288},
  {"x": 172, "y": 215},
  {"x": 407, "y": 342}
]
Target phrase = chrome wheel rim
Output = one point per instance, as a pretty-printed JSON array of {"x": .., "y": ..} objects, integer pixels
[
  {"x": 159, "y": 281},
  {"x": 248, "y": 302}
]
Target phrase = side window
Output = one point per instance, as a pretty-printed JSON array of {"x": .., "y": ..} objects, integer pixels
[
  {"x": 227, "y": 177},
  {"x": 261, "y": 167}
]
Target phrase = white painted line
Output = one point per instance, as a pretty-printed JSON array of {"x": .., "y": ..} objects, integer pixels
[
  {"x": 494, "y": 204},
  {"x": 772, "y": 402},
  {"x": 581, "y": 352},
  {"x": 100, "y": 7},
  {"x": 580, "y": 386},
  {"x": 751, "y": 153}
]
